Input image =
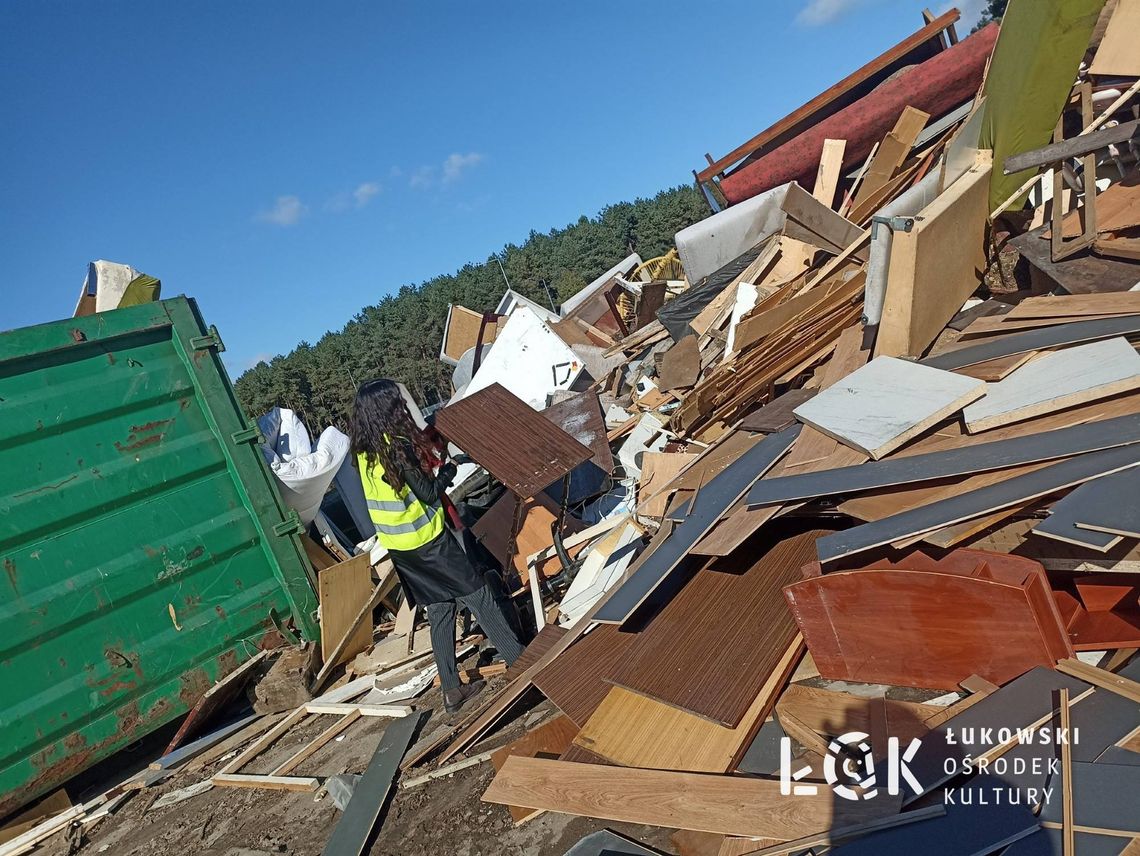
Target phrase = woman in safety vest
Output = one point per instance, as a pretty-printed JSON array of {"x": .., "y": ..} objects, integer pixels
[{"x": 404, "y": 502}]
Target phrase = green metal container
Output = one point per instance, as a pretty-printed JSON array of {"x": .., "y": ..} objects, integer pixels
[{"x": 145, "y": 548}]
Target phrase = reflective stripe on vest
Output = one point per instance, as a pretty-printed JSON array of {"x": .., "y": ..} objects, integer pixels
[{"x": 402, "y": 521}]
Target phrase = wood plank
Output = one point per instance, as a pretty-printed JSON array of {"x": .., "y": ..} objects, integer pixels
[
  {"x": 993, "y": 370},
  {"x": 804, "y": 114},
  {"x": 892, "y": 152},
  {"x": 1110, "y": 505},
  {"x": 1056, "y": 381},
  {"x": 344, "y": 591},
  {"x": 976, "y": 503},
  {"x": 725, "y": 804},
  {"x": 680, "y": 365},
  {"x": 777, "y": 414},
  {"x": 214, "y": 699},
  {"x": 314, "y": 745},
  {"x": 1074, "y": 146},
  {"x": 306, "y": 784},
  {"x": 266, "y": 740},
  {"x": 354, "y": 828},
  {"x": 987, "y": 328},
  {"x": 1069, "y": 846},
  {"x": 636, "y": 731},
  {"x": 714, "y": 644},
  {"x": 254, "y": 729},
  {"x": 1037, "y": 340},
  {"x": 712, "y": 501},
  {"x": 964, "y": 460},
  {"x": 363, "y": 618},
  {"x": 1118, "y": 684},
  {"x": 549, "y": 740},
  {"x": 937, "y": 265},
  {"x": 1073, "y": 306},
  {"x": 832, "y": 713},
  {"x": 887, "y": 402},
  {"x": 827, "y": 177}
]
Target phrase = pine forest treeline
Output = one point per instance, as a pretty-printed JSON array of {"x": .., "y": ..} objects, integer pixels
[{"x": 399, "y": 337}]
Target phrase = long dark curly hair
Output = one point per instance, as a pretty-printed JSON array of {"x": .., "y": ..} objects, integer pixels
[{"x": 382, "y": 429}]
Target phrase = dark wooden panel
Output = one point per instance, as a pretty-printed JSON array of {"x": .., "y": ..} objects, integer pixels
[
  {"x": 967, "y": 460},
  {"x": 777, "y": 415},
  {"x": 967, "y": 506},
  {"x": 518, "y": 446},
  {"x": 1036, "y": 340},
  {"x": 1110, "y": 504},
  {"x": 712, "y": 647},
  {"x": 607, "y": 843},
  {"x": 573, "y": 681},
  {"x": 713, "y": 499},
  {"x": 1105, "y": 796},
  {"x": 581, "y": 417},
  {"x": 923, "y": 628},
  {"x": 1050, "y": 842},
  {"x": 539, "y": 645}
]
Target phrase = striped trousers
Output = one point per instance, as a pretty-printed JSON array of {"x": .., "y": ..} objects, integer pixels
[{"x": 488, "y": 612}]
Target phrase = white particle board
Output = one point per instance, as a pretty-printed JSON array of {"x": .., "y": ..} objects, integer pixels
[
  {"x": 1055, "y": 381},
  {"x": 885, "y": 403}
]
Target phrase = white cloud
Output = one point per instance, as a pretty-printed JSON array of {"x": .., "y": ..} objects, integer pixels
[
  {"x": 456, "y": 164},
  {"x": 819, "y": 12},
  {"x": 286, "y": 211},
  {"x": 364, "y": 193}
]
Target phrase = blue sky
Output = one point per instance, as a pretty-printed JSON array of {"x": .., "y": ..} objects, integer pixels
[{"x": 287, "y": 163}]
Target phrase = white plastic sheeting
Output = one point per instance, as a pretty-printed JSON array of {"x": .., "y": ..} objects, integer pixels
[{"x": 303, "y": 473}]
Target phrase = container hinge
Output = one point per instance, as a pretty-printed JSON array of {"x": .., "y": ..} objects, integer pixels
[
  {"x": 291, "y": 525},
  {"x": 212, "y": 339},
  {"x": 246, "y": 435}
]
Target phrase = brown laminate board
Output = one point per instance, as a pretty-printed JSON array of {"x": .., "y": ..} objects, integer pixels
[
  {"x": 1053, "y": 306},
  {"x": 711, "y": 648},
  {"x": 539, "y": 645},
  {"x": 549, "y": 740},
  {"x": 517, "y": 445},
  {"x": 777, "y": 414},
  {"x": 726, "y": 804},
  {"x": 573, "y": 680}
]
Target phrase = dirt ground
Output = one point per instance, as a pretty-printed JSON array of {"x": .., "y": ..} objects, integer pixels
[{"x": 443, "y": 816}]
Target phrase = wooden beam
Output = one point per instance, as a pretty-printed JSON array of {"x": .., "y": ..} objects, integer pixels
[
  {"x": 827, "y": 178},
  {"x": 1099, "y": 677},
  {"x": 1069, "y": 837},
  {"x": 809, "y": 110},
  {"x": 272, "y": 783},
  {"x": 1071, "y": 148}
]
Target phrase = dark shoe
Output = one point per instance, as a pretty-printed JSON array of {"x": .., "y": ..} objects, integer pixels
[{"x": 454, "y": 699}]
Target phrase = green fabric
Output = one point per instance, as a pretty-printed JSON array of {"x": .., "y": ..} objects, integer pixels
[
  {"x": 1032, "y": 71},
  {"x": 141, "y": 289}
]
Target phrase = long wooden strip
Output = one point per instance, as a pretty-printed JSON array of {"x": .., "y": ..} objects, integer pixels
[
  {"x": 1108, "y": 503},
  {"x": 1118, "y": 684},
  {"x": 265, "y": 741},
  {"x": 1071, "y": 148},
  {"x": 273, "y": 783},
  {"x": 958, "y": 508},
  {"x": 1069, "y": 847},
  {"x": 715, "y": 498},
  {"x": 1075, "y": 305},
  {"x": 811, "y": 108},
  {"x": 320, "y": 740},
  {"x": 705, "y": 803},
  {"x": 977, "y": 457},
  {"x": 354, "y": 828},
  {"x": 1036, "y": 340}
]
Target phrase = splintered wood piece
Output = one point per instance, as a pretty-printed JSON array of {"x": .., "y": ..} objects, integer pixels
[
  {"x": 658, "y": 469},
  {"x": 893, "y": 150},
  {"x": 1056, "y": 381},
  {"x": 887, "y": 402},
  {"x": 827, "y": 177},
  {"x": 726, "y": 804}
]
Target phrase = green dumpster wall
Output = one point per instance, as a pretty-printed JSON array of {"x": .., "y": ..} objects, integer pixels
[{"x": 146, "y": 551}]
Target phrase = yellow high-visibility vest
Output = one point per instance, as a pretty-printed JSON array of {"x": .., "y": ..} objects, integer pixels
[{"x": 402, "y": 521}]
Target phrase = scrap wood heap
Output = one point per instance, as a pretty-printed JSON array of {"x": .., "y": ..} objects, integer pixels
[
  {"x": 846, "y": 466},
  {"x": 866, "y": 451}
]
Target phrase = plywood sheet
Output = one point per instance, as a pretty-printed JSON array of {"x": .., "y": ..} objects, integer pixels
[
  {"x": 680, "y": 366},
  {"x": 466, "y": 329},
  {"x": 518, "y": 446},
  {"x": 887, "y": 402},
  {"x": 635, "y": 731},
  {"x": 344, "y": 590},
  {"x": 715, "y": 643},
  {"x": 1117, "y": 53},
  {"x": 658, "y": 469},
  {"x": 1056, "y": 381},
  {"x": 725, "y": 804},
  {"x": 937, "y": 265}
]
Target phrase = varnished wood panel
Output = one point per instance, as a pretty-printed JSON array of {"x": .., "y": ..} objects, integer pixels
[
  {"x": 573, "y": 681},
  {"x": 713, "y": 646},
  {"x": 547, "y": 741}
]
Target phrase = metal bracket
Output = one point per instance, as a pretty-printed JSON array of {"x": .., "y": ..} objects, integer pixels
[
  {"x": 212, "y": 339},
  {"x": 895, "y": 224},
  {"x": 247, "y": 435},
  {"x": 291, "y": 525}
]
